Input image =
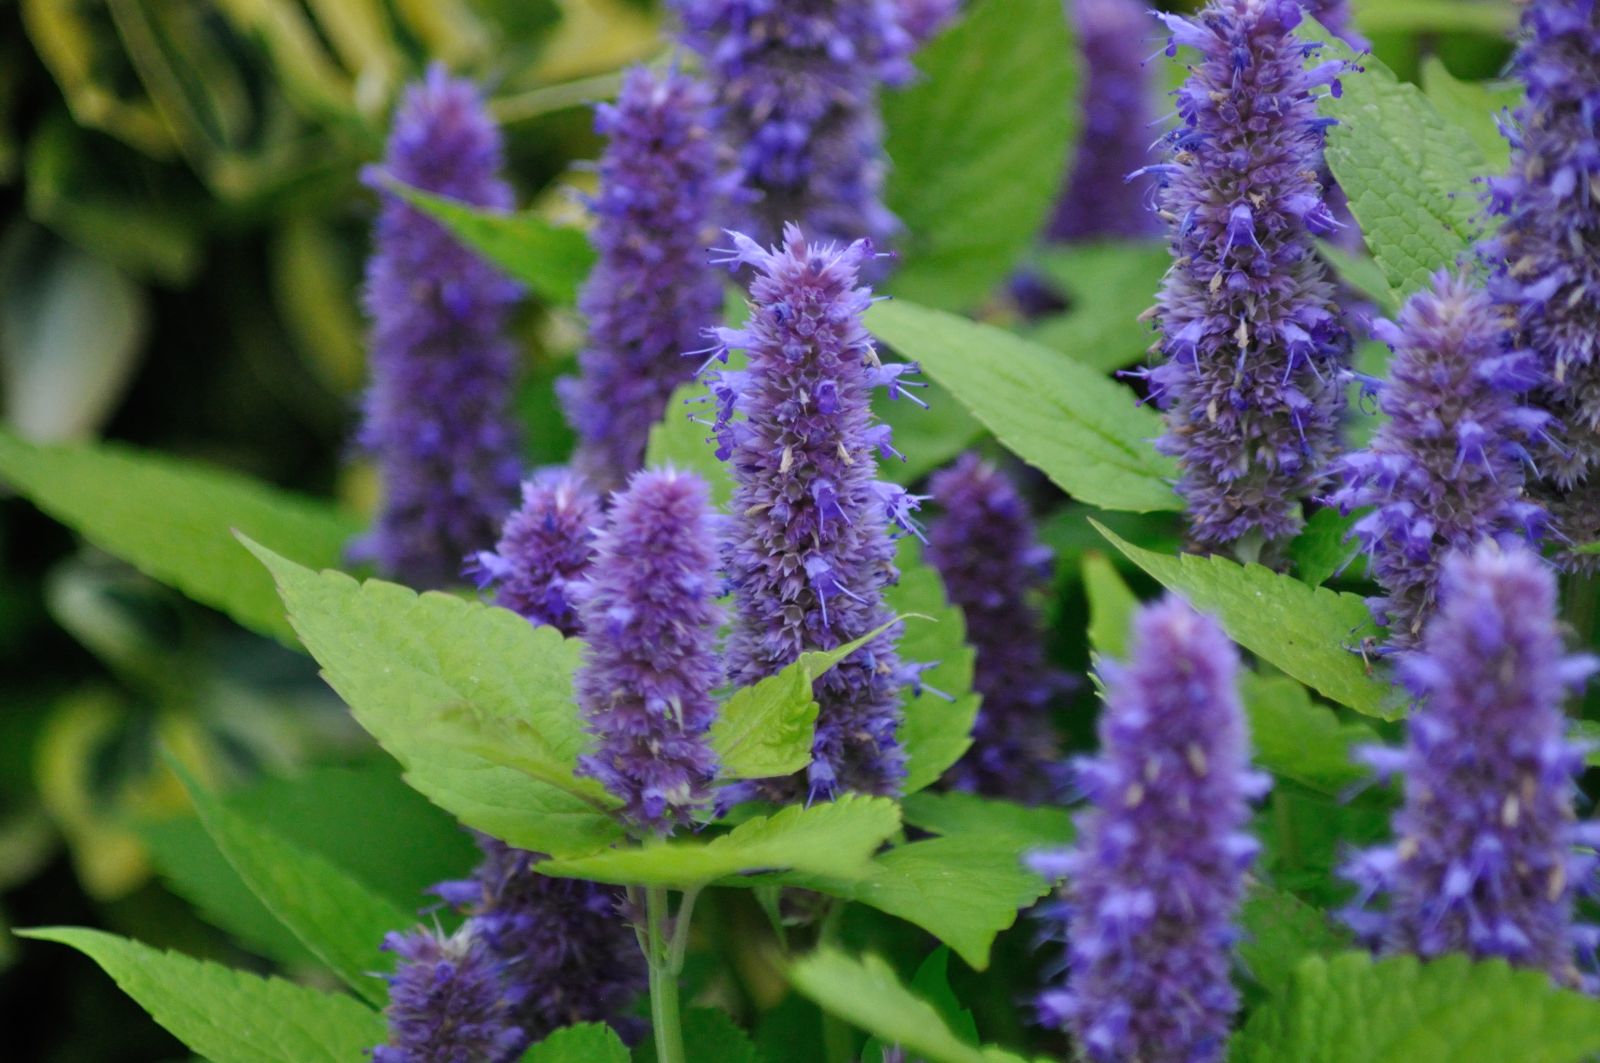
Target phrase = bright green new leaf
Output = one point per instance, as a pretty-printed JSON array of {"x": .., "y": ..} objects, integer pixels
[
  {"x": 1298, "y": 739},
  {"x": 836, "y": 839},
  {"x": 979, "y": 145},
  {"x": 686, "y": 444},
  {"x": 441, "y": 682},
  {"x": 590, "y": 1042},
  {"x": 936, "y": 730},
  {"x": 1278, "y": 930},
  {"x": 1351, "y": 1009},
  {"x": 174, "y": 520},
  {"x": 958, "y": 814},
  {"x": 225, "y": 1015},
  {"x": 1083, "y": 430},
  {"x": 1109, "y": 286},
  {"x": 1475, "y": 106},
  {"x": 1312, "y": 633}
]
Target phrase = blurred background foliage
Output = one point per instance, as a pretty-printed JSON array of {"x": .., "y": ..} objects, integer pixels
[{"x": 181, "y": 242}]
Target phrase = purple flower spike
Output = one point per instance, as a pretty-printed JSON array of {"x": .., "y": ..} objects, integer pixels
[
  {"x": 1548, "y": 251},
  {"x": 446, "y": 1002},
  {"x": 1118, "y": 111},
  {"x": 809, "y": 551},
  {"x": 1155, "y": 880},
  {"x": 544, "y": 547},
  {"x": 1487, "y": 857},
  {"x": 797, "y": 85},
  {"x": 650, "y": 615},
  {"x": 1447, "y": 469},
  {"x": 993, "y": 566},
  {"x": 437, "y": 417},
  {"x": 1251, "y": 331},
  {"x": 651, "y": 295}
]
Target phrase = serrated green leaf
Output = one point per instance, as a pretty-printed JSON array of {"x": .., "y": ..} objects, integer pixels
[
  {"x": 958, "y": 814},
  {"x": 684, "y": 443},
  {"x": 590, "y": 1042},
  {"x": 552, "y": 260},
  {"x": 1474, "y": 106},
  {"x": 1324, "y": 546},
  {"x": 174, "y": 520},
  {"x": 1353, "y": 1010},
  {"x": 229, "y": 1016},
  {"x": 1278, "y": 931},
  {"x": 1109, "y": 286},
  {"x": 979, "y": 145},
  {"x": 1311, "y": 633},
  {"x": 1299, "y": 739},
  {"x": 935, "y": 731},
  {"x": 709, "y": 1034},
  {"x": 437, "y": 680},
  {"x": 836, "y": 838},
  {"x": 1083, "y": 430},
  {"x": 868, "y": 994}
]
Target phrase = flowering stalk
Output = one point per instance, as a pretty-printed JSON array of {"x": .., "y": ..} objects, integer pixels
[
  {"x": 437, "y": 416},
  {"x": 1446, "y": 470},
  {"x": 1251, "y": 387},
  {"x": 651, "y": 295},
  {"x": 808, "y": 551},
  {"x": 1155, "y": 880},
  {"x": 992, "y": 563},
  {"x": 447, "y": 1002},
  {"x": 1486, "y": 859},
  {"x": 545, "y": 547},
  {"x": 1548, "y": 252}
]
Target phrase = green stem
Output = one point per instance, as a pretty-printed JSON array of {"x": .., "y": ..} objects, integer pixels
[{"x": 663, "y": 979}]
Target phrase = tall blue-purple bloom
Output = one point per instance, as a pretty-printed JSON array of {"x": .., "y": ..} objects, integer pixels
[
  {"x": 545, "y": 547},
  {"x": 437, "y": 417},
  {"x": 447, "y": 1003},
  {"x": 809, "y": 551},
  {"x": 651, "y": 295},
  {"x": 1250, "y": 326},
  {"x": 1155, "y": 880},
  {"x": 797, "y": 88},
  {"x": 1548, "y": 250},
  {"x": 1488, "y": 857},
  {"x": 985, "y": 547},
  {"x": 1446, "y": 470},
  {"x": 650, "y": 616}
]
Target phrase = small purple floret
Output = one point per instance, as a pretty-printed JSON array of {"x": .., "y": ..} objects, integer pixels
[
  {"x": 545, "y": 546},
  {"x": 447, "y": 1003}
]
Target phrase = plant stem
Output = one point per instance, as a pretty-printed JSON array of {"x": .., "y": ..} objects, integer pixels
[{"x": 663, "y": 979}]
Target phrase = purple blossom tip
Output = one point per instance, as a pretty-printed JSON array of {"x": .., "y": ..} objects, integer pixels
[
  {"x": 447, "y": 1003},
  {"x": 545, "y": 546}
]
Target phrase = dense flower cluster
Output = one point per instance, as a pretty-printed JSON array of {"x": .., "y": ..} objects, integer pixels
[
  {"x": 1446, "y": 469},
  {"x": 447, "y": 1003},
  {"x": 1254, "y": 345},
  {"x": 1485, "y": 859},
  {"x": 797, "y": 84},
  {"x": 809, "y": 549},
  {"x": 1155, "y": 880},
  {"x": 545, "y": 546},
  {"x": 985, "y": 548},
  {"x": 1548, "y": 249},
  {"x": 437, "y": 417},
  {"x": 651, "y": 295},
  {"x": 650, "y": 616},
  {"x": 1118, "y": 112}
]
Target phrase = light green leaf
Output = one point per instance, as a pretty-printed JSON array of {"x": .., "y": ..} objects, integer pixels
[
  {"x": 1083, "y": 430},
  {"x": 1311, "y": 633},
  {"x": 440, "y": 682},
  {"x": 552, "y": 260},
  {"x": 1491, "y": 18},
  {"x": 333, "y": 915},
  {"x": 1353, "y": 1010},
  {"x": 1298, "y": 739},
  {"x": 174, "y": 520},
  {"x": 683, "y": 443},
  {"x": 229, "y": 1016},
  {"x": 590, "y": 1042},
  {"x": 868, "y": 994},
  {"x": 1278, "y": 930},
  {"x": 979, "y": 147},
  {"x": 1109, "y": 286},
  {"x": 958, "y": 814},
  {"x": 1474, "y": 106},
  {"x": 1111, "y": 606},
  {"x": 936, "y": 731},
  {"x": 836, "y": 839}
]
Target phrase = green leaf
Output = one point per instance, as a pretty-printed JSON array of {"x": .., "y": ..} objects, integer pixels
[
  {"x": 960, "y": 814},
  {"x": 709, "y": 1034},
  {"x": 1361, "y": 273},
  {"x": 868, "y": 994},
  {"x": 1311, "y": 633},
  {"x": 590, "y": 1042},
  {"x": 1324, "y": 546},
  {"x": 229, "y": 1016},
  {"x": 1299, "y": 739},
  {"x": 1109, "y": 286},
  {"x": 1084, "y": 431},
  {"x": 1474, "y": 106},
  {"x": 979, "y": 145},
  {"x": 1488, "y": 17},
  {"x": 1353, "y": 1010},
  {"x": 174, "y": 520},
  {"x": 1111, "y": 606},
  {"x": 936, "y": 731},
  {"x": 836, "y": 839},
  {"x": 684, "y": 443},
  {"x": 932, "y": 984},
  {"x": 1278, "y": 930},
  {"x": 336, "y": 917},
  {"x": 443, "y": 684},
  {"x": 552, "y": 260}
]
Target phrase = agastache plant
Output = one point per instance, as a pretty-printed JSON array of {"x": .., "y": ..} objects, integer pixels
[
  {"x": 1548, "y": 252},
  {"x": 447, "y": 1003},
  {"x": 651, "y": 295},
  {"x": 809, "y": 550},
  {"x": 545, "y": 547},
  {"x": 1488, "y": 858},
  {"x": 1251, "y": 387},
  {"x": 993, "y": 565},
  {"x": 437, "y": 418},
  {"x": 797, "y": 88},
  {"x": 1446, "y": 470},
  {"x": 1155, "y": 880}
]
